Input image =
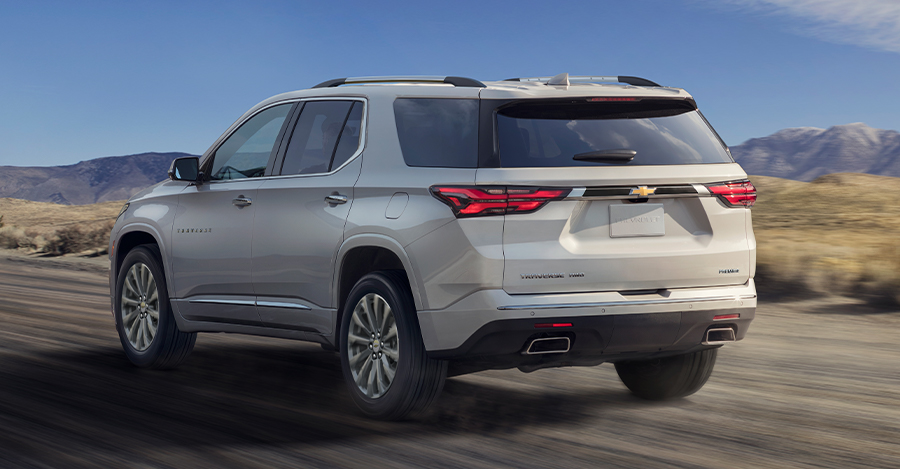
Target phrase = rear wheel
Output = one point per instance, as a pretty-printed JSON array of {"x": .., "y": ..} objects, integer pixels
[
  {"x": 144, "y": 320},
  {"x": 382, "y": 355},
  {"x": 669, "y": 377}
]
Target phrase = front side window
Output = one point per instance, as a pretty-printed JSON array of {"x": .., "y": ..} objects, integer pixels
[
  {"x": 246, "y": 152},
  {"x": 326, "y": 134}
]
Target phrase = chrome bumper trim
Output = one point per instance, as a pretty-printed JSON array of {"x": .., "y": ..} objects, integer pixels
[{"x": 626, "y": 303}]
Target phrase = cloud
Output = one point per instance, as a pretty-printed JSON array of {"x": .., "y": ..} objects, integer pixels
[{"x": 869, "y": 23}]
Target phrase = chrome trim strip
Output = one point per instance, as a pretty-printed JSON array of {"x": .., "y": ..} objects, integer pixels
[
  {"x": 226, "y": 302},
  {"x": 279, "y": 304},
  {"x": 633, "y": 197},
  {"x": 619, "y": 303}
]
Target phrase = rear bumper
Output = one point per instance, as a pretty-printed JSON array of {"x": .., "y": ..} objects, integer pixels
[{"x": 605, "y": 326}]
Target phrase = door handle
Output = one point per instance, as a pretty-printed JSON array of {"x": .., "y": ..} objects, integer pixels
[
  {"x": 336, "y": 199},
  {"x": 242, "y": 201}
]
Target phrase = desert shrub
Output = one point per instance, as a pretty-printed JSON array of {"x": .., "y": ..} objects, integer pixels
[
  {"x": 78, "y": 238},
  {"x": 12, "y": 237}
]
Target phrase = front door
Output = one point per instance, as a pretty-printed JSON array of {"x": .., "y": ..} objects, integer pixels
[{"x": 212, "y": 233}]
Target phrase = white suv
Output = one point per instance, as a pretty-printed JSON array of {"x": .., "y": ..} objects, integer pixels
[{"x": 430, "y": 225}]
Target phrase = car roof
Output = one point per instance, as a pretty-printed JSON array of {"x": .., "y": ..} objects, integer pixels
[{"x": 524, "y": 88}]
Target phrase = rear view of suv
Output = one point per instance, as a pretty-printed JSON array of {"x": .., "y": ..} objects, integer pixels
[{"x": 432, "y": 226}]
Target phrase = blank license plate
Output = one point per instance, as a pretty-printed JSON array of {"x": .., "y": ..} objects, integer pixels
[{"x": 632, "y": 220}]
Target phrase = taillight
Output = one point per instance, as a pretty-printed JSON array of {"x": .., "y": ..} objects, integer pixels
[
  {"x": 481, "y": 201},
  {"x": 735, "y": 194}
]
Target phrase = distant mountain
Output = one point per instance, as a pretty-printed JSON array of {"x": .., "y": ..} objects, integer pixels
[
  {"x": 86, "y": 182},
  {"x": 806, "y": 153}
]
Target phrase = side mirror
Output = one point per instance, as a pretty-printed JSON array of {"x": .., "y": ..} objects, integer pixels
[{"x": 185, "y": 169}]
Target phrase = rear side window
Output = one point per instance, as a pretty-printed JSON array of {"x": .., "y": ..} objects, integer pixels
[
  {"x": 656, "y": 133},
  {"x": 314, "y": 139},
  {"x": 438, "y": 132}
]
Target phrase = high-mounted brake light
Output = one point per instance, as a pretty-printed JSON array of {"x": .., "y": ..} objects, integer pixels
[
  {"x": 481, "y": 201},
  {"x": 735, "y": 194},
  {"x": 597, "y": 100}
]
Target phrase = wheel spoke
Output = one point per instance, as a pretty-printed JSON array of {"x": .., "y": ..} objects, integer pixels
[
  {"x": 369, "y": 321},
  {"x": 388, "y": 371},
  {"x": 129, "y": 317},
  {"x": 370, "y": 384},
  {"x": 133, "y": 331},
  {"x": 143, "y": 274},
  {"x": 392, "y": 332},
  {"x": 128, "y": 282},
  {"x": 360, "y": 377},
  {"x": 358, "y": 322},
  {"x": 151, "y": 331},
  {"x": 356, "y": 358},
  {"x": 387, "y": 313},
  {"x": 391, "y": 353},
  {"x": 357, "y": 339},
  {"x": 153, "y": 313},
  {"x": 125, "y": 299},
  {"x": 379, "y": 376}
]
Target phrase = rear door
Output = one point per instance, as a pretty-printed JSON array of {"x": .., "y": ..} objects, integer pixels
[
  {"x": 638, "y": 215},
  {"x": 300, "y": 218}
]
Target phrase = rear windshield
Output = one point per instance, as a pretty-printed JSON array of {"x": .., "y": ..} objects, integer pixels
[
  {"x": 654, "y": 132},
  {"x": 438, "y": 132}
]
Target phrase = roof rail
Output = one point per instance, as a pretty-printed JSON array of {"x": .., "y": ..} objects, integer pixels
[
  {"x": 636, "y": 81},
  {"x": 455, "y": 81}
]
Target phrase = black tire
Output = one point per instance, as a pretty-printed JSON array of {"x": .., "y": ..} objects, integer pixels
[
  {"x": 169, "y": 346},
  {"x": 418, "y": 380},
  {"x": 670, "y": 377}
]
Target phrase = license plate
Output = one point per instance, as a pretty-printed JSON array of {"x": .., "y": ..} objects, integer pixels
[{"x": 633, "y": 220}]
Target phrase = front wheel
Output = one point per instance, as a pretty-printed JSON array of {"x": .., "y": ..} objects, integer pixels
[
  {"x": 382, "y": 355},
  {"x": 669, "y": 377},
  {"x": 144, "y": 320}
]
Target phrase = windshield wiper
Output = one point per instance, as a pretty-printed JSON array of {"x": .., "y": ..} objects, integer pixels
[{"x": 614, "y": 156}]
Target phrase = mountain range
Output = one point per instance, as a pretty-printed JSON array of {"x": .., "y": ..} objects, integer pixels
[
  {"x": 806, "y": 153},
  {"x": 802, "y": 154},
  {"x": 86, "y": 182}
]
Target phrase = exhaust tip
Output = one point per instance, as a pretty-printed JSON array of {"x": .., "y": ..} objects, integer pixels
[
  {"x": 548, "y": 345},
  {"x": 718, "y": 336}
]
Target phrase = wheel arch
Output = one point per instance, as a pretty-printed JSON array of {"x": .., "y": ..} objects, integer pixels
[
  {"x": 366, "y": 253},
  {"x": 135, "y": 235}
]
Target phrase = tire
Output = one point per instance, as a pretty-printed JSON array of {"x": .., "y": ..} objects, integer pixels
[
  {"x": 390, "y": 376},
  {"x": 140, "y": 294},
  {"x": 670, "y": 377}
]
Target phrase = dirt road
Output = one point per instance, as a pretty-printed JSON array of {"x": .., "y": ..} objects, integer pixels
[{"x": 815, "y": 384}]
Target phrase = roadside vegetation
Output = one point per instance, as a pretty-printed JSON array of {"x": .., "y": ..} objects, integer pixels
[
  {"x": 839, "y": 235},
  {"x": 48, "y": 229}
]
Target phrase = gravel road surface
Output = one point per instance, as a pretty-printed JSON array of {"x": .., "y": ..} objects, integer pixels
[{"x": 815, "y": 384}]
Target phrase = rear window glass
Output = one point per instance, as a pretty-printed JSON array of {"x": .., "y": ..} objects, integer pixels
[
  {"x": 551, "y": 135},
  {"x": 438, "y": 132}
]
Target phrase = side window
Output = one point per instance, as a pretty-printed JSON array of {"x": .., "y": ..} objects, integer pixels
[
  {"x": 314, "y": 140},
  {"x": 350, "y": 137},
  {"x": 246, "y": 152},
  {"x": 438, "y": 132}
]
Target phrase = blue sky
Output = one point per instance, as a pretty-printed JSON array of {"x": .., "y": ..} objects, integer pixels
[{"x": 81, "y": 80}]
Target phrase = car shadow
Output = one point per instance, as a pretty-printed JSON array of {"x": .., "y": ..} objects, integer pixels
[{"x": 227, "y": 394}]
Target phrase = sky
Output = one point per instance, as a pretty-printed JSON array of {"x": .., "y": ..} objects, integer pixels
[{"x": 87, "y": 79}]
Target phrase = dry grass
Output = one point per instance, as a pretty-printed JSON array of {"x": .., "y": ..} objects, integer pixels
[
  {"x": 53, "y": 229},
  {"x": 839, "y": 234}
]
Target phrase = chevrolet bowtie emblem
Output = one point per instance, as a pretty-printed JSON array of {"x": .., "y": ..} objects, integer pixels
[{"x": 642, "y": 191}]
